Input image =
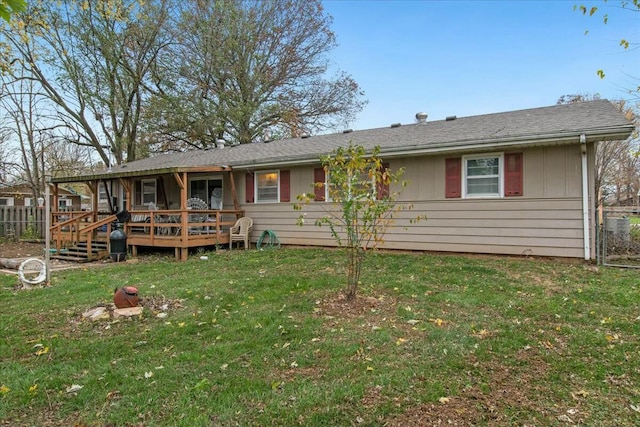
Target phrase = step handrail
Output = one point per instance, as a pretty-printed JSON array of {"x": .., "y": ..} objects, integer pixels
[{"x": 89, "y": 231}]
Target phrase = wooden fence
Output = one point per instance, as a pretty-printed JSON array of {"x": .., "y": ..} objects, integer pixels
[{"x": 22, "y": 222}]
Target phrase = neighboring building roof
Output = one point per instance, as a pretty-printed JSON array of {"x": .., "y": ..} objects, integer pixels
[
  {"x": 24, "y": 188},
  {"x": 597, "y": 120}
]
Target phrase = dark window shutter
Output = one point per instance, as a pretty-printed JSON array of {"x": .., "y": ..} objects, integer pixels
[
  {"x": 382, "y": 189},
  {"x": 285, "y": 186},
  {"x": 453, "y": 177},
  {"x": 513, "y": 174},
  {"x": 319, "y": 190},
  {"x": 249, "y": 187}
]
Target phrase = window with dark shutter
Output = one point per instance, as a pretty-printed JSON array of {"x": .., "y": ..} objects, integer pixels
[
  {"x": 513, "y": 174},
  {"x": 249, "y": 187},
  {"x": 285, "y": 186},
  {"x": 319, "y": 190},
  {"x": 453, "y": 177},
  {"x": 382, "y": 188}
]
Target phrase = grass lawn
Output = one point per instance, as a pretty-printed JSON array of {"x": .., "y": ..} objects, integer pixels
[{"x": 264, "y": 338}]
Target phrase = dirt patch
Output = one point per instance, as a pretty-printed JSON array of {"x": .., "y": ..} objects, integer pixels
[
  {"x": 337, "y": 305},
  {"x": 18, "y": 250}
]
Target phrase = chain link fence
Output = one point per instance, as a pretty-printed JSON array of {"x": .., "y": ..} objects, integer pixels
[{"x": 619, "y": 238}]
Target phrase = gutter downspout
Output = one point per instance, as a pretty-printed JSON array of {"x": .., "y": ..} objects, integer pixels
[{"x": 585, "y": 198}]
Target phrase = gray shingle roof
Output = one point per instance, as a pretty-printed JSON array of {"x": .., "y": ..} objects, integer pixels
[{"x": 596, "y": 119}]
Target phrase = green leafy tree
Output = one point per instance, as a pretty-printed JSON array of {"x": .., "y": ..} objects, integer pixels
[
  {"x": 362, "y": 204},
  {"x": 250, "y": 70},
  {"x": 8, "y": 7}
]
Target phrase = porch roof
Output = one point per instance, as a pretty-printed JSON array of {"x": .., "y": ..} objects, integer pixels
[{"x": 558, "y": 124}]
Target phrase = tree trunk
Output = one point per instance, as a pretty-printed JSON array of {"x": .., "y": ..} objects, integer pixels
[{"x": 356, "y": 256}]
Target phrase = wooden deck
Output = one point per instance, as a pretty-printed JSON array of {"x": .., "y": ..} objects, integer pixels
[{"x": 178, "y": 229}]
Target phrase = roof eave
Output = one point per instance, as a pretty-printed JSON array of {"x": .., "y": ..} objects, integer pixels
[
  {"x": 560, "y": 138},
  {"x": 138, "y": 173}
]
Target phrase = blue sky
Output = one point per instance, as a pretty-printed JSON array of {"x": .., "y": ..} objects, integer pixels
[{"x": 475, "y": 57}]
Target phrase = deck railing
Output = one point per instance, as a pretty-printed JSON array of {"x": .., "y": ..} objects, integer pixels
[{"x": 155, "y": 228}]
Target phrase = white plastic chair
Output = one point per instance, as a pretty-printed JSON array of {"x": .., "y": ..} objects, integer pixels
[{"x": 240, "y": 232}]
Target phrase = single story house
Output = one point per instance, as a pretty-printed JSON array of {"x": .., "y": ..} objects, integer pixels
[
  {"x": 518, "y": 182},
  {"x": 21, "y": 194}
]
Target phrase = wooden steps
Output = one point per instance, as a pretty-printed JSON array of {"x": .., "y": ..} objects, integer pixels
[{"x": 79, "y": 253}]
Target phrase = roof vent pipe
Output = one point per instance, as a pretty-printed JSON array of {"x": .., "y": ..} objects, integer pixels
[
  {"x": 220, "y": 143},
  {"x": 421, "y": 118}
]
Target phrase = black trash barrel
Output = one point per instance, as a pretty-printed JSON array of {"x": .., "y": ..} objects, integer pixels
[{"x": 118, "y": 242}]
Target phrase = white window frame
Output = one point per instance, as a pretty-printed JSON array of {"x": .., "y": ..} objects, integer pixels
[
  {"x": 9, "y": 201},
  {"x": 142, "y": 192},
  {"x": 327, "y": 197},
  {"x": 64, "y": 203},
  {"x": 465, "y": 160},
  {"x": 28, "y": 201},
  {"x": 257, "y": 188}
]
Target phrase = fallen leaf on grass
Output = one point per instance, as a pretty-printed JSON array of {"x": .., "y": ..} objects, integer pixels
[
  {"x": 74, "y": 388},
  {"x": 41, "y": 349},
  {"x": 635, "y": 408},
  {"x": 148, "y": 374},
  {"x": 4, "y": 389},
  {"x": 437, "y": 322},
  {"x": 201, "y": 384},
  {"x": 546, "y": 344},
  {"x": 579, "y": 393},
  {"x": 482, "y": 334},
  {"x": 565, "y": 419},
  {"x": 413, "y": 321},
  {"x": 444, "y": 400}
]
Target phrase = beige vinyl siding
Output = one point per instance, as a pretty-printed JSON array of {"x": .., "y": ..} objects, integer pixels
[
  {"x": 546, "y": 221},
  {"x": 532, "y": 227}
]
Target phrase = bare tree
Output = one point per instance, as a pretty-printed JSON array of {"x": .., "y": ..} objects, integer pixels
[
  {"x": 617, "y": 171},
  {"x": 21, "y": 105},
  {"x": 92, "y": 60},
  {"x": 247, "y": 71},
  {"x": 6, "y": 163}
]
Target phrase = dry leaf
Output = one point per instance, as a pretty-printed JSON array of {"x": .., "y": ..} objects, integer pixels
[
  {"x": 444, "y": 400},
  {"x": 437, "y": 322},
  {"x": 74, "y": 388},
  {"x": 579, "y": 393}
]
